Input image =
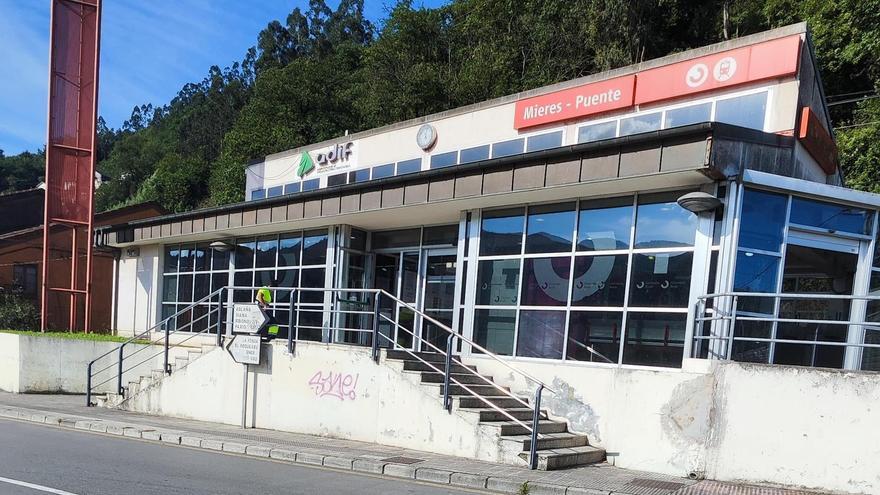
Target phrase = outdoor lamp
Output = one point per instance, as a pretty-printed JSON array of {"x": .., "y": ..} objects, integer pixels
[
  {"x": 698, "y": 202},
  {"x": 221, "y": 246}
]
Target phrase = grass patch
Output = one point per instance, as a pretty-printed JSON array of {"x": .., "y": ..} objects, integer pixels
[{"x": 94, "y": 337}]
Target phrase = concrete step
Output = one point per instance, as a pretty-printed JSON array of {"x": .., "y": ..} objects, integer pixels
[
  {"x": 419, "y": 366},
  {"x": 470, "y": 402},
  {"x": 157, "y": 374},
  {"x": 552, "y": 459},
  {"x": 551, "y": 440},
  {"x": 133, "y": 388},
  {"x": 193, "y": 355},
  {"x": 521, "y": 413},
  {"x": 466, "y": 378},
  {"x": 180, "y": 362},
  {"x": 398, "y": 354},
  {"x": 481, "y": 390},
  {"x": 508, "y": 428},
  {"x": 206, "y": 348}
]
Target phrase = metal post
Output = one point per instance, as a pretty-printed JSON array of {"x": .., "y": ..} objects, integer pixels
[
  {"x": 536, "y": 418},
  {"x": 119, "y": 376},
  {"x": 89, "y": 386},
  {"x": 732, "y": 328},
  {"x": 167, "y": 336},
  {"x": 447, "y": 402},
  {"x": 376, "y": 327},
  {"x": 244, "y": 385},
  {"x": 291, "y": 321},
  {"x": 220, "y": 313}
]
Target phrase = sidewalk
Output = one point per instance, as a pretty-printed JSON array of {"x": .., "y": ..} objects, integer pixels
[{"x": 69, "y": 412}]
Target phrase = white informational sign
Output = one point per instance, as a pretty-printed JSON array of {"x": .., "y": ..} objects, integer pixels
[
  {"x": 245, "y": 349},
  {"x": 248, "y": 318}
]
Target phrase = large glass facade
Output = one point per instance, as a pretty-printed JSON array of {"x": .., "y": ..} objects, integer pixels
[
  {"x": 605, "y": 280},
  {"x": 190, "y": 273}
]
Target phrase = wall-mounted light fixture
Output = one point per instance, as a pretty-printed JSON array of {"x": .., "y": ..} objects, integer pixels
[
  {"x": 222, "y": 246},
  {"x": 698, "y": 202}
]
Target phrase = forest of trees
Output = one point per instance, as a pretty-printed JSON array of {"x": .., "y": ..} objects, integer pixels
[{"x": 324, "y": 71}]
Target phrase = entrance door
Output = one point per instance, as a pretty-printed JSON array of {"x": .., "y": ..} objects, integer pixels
[
  {"x": 816, "y": 265},
  {"x": 397, "y": 274},
  {"x": 438, "y": 296}
]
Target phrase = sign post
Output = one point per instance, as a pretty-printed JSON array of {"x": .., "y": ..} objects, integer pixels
[
  {"x": 248, "y": 318},
  {"x": 244, "y": 347}
]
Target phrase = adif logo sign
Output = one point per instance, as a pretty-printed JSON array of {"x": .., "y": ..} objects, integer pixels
[
  {"x": 723, "y": 70},
  {"x": 337, "y": 156}
]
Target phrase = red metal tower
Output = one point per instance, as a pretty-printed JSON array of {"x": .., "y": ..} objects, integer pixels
[{"x": 70, "y": 164}]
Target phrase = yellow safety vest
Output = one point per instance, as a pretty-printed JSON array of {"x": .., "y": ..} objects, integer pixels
[{"x": 267, "y": 295}]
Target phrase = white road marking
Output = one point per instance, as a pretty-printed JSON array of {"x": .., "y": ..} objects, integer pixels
[{"x": 41, "y": 488}]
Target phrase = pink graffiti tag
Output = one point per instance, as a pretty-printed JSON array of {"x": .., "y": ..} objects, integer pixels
[{"x": 339, "y": 385}]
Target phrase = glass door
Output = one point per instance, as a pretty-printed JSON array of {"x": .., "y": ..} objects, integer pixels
[
  {"x": 438, "y": 296},
  {"x": 397, "y": 274}
]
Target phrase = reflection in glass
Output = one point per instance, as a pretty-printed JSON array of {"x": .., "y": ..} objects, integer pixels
[
  {"x": 396, "y": 238},
  {"x": 310, "y": 324},
  {"x": 172, "y": 255},
  {"x": 444, "y": 235},
  {"x": 599, "y": 280},
  {"x": 550, "y": 228},
  {"x": 184, "y": 288},
  {"x": 544, "y": 141},
  {"x": 267, "y": 248},
  {"x": 654, "y": 339},
  {"x": 597, "y": 132},
  {"x": 289, "y": 247},
  {"x": 661, "y": 280},
  {"x": 750, "y": 351},
  {"x": 596, "y": 330},
  {"x": 409, "y": 166},
  {"x": 507, "y": 148},
  {"x": 410, "y": 278},
  {"x": 755, "y": 272},
  {"x": 312, "y": 278},
  {"x": 286, "y": 278},
  {"x": 693, "y": 114},
  {"x": 244, "y": 254},
  {"x": 186, "y": 258},
  {"x": 497, "y": 282},
  {"x": 494, "y": 330},
  {"x": 605, "y": 225},
  {"x": 219, "y": 259},
  {"x": 830, "y": 216},
  {"x": 444, "y": 159},
  {"x": 541, "y": 334},
  {"x": 314, "y": 248},
  {"x": 201, "y": 286},
  {"x": 663, "y": 224},
  {"x": 545, "y": 281},
  {"x": 501, "y": 232},
  {"x": 383, "y": 171},
  {"x": 169, "y": 288},
  {"x": 406, "y": 323},
  {"x": 219, "y": 280},
  {"x": 640, "y": 123},
  {"x": 202, "y": 260},
  {"x": 763, "y": 220},
  {"x": 243, "y": 279},
  {"x": 744, "y": 111},
  {"x": 474, "y": 154}
]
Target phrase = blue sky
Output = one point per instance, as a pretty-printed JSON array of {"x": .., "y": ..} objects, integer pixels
[{"x": 149, "y": 50}]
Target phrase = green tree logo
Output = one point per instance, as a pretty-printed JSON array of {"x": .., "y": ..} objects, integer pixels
[{"x": 306, "y": 165}]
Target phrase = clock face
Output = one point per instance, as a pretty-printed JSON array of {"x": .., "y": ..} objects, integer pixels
[{"x": 426, "y": 136}]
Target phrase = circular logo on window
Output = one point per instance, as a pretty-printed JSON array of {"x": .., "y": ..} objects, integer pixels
[
  {"x": 724, "y": 69},
  {"x": 696, "y": 75}
]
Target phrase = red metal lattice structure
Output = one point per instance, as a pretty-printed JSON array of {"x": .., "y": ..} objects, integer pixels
[{"x": 70, "y": 163}]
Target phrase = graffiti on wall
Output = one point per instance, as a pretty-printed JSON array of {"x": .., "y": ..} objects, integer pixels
[{"x": 343, "y": 386}]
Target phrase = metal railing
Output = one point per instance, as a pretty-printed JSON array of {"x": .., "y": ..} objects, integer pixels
[{"x": 724, "y": 320}]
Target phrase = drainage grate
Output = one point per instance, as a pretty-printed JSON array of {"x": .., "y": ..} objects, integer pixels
[
  {"x": 646, "y": 485},
  {"x": 403, "y": 460}
]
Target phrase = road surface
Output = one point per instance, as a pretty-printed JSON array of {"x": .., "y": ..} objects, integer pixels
[{"x": 37, "y": 460}]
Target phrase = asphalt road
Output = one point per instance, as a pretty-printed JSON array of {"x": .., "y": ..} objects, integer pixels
[{"x": 41, "y": 459}]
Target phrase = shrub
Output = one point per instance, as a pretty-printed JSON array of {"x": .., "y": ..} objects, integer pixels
[{"x": 18, "y": 313}]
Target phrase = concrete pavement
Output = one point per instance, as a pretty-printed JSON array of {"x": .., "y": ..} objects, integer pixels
[{"x": 603, "y": 479}]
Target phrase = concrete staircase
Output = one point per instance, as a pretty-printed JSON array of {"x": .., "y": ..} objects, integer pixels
[
  {"x": 557, "y": 447},
  {"x": 181, "y": 358}
]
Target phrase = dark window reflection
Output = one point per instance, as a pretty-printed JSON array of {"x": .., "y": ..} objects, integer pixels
[
  {"x": 267, "y": 248},
  {"x": 219, "y": 259},
  {"x": 763, "y": 220},
  {"x": 744, "y": 111},
  {"x": 545, "y": 281},
  {"x": 597, "y": 132},
  {"x": 202, "y": 259},
  {"x": 169, "y": 288},
  {"x": 314, "y": 248},
  {"x": 187, "y": 254},
  {"x": 663, "y": 224},
  {"x": 596, "y": 330},
  {"x": 550, "y": 228},
  {"x": 243, "y": 279},
  {"x": 506, "y": 148},
  {"x": 498, "y": 282},
  {"x": 599, "y": 280},
  {"x": 544, "y": 141},
  {"x": 502, "y": 232},
  {"x": 654, "y": 339},
  {"x": 640, "y": 123},
  {"x": 751, "y": 351},
  {"x": 661, "y": 280},
  {"x": 830, "y": 216},
  {"x": 244, "y": 254},
  {"x": 541, "y": 334},
  {"x": 442, "y": 235},
  {"x": 289, "y": 247},
  {"x": 396, "y": 238},
  {"x": 313, "y": 278},
  {"x": 689, "y": 115},
  {"x": 184, "y": 288},
  {"x": 605, "y": 225},
  {"x": 494, "y": 330},
  {"x": 474, "y": 154}
]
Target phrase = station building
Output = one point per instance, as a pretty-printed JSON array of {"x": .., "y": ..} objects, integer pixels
[{"x": 647, "y": 222}]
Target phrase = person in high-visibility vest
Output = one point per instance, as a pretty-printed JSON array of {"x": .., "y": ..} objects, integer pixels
[{"x": 264, "y": 300}]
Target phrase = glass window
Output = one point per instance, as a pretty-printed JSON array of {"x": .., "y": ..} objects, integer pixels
[
  {"x": 243, "y": 279},
  {"x": 274, "y": 191},
  {"x": 258, "y": 194},
  {"x": 361, "y": 175},
  {"x": 396, "y": 238},
  {"x": 312, "y": 278},
  {"x": 640, "y": 123},
  {"x": 201, "y": 286},
  {"x": 383, "y": 171},
  {"x": 605, "y": 225},
  {"x": 744, "y": 111},
  {"x": 494, "y": 330},
  {"x": 442, "y": 235},
  {"x": 663, "y": 224},
  {"x": 263, "y": 278},
  {"x": 184, "y": 288},
  {"x": 693, "y": 114},
  {"x": 202, "y": 258},
  {"x": 337, "y": 180},
  {"x": 291, "y": 188},
  {"x": 314, "y": 248},
  {"x": 219, "y": 280},
  {"x": 541, "y": 334},
  {"x": 267, "y": 249},
  {"x": 474, "y": 154},
  {"x": 311, "y": 185},
  {"x": 755, "y": 272},
  {"x": 409, "y": 166},
  {"x": 169, "y": 288},
  {"x": 763, "y": 220},
  {"x": 507, "y": 148},
  {"x": 661, "y": 280},
  {"x": 187, "y": 255},
  {"x": 244, "y": 254},
  {"x": 550, "y": 228},
  {"x": 654, "y": 339},
  {"x": 219, "y": 259},
  {"x": 444, "y": 159},
  {"x": 357, "y": 239},
  {"x": 599, "y": 280},
  {"x": 544, "y": 141},
  {"x": 834, "y": 217},
  {"x": 597, "y": 132},
  {"x": 288, "y": 249},
  {"x": 502, "y": 232},
  {"x": 546, "y": 281},
  {"x": 498, "y": 282},
  {"x": 594, "y": 336},
  {"x": 172, "y": 255}
]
